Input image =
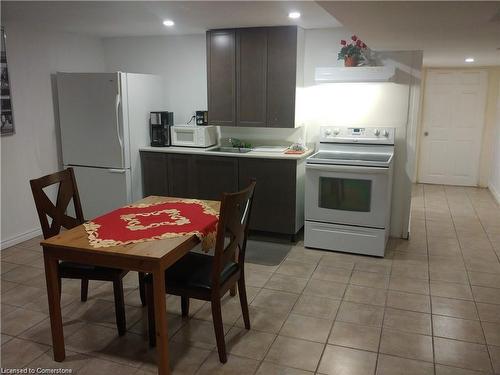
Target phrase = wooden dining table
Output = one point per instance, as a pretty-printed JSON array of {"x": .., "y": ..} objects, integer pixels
[{"x": 152, "y": 257}]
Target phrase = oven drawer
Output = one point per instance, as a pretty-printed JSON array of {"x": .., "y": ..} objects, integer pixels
[{"x": 358, "y": 240}]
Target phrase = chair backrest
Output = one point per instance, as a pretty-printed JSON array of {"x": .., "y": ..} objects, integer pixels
[
  {"x": 232, "y": 230},
  {"x": 57, "y": 212}
]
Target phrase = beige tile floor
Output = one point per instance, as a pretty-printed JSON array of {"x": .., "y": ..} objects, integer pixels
[{"x": 432, "y": 306}]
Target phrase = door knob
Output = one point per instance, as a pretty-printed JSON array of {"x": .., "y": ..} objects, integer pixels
[{"x": 426, "y": 134}]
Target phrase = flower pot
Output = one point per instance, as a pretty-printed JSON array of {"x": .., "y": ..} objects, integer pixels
[{"x": 350, "y": 61}]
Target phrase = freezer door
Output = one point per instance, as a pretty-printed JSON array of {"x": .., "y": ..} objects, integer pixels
[
  {"x": 91, "y": 119},
  {"x": 102, "y": 190}
]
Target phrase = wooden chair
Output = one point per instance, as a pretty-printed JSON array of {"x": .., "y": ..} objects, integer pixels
[
  {"x": 208, "y": 277},
  {"x": 68, "y": 190}
]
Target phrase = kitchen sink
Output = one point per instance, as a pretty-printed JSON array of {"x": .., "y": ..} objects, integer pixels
[{"x": 234, "y": 150}]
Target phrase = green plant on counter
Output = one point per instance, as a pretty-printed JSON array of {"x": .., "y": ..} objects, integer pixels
[{"x": 238, "y": 143}]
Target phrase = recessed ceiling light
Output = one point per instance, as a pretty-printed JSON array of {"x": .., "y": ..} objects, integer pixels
[
  {"x": 168, "y": 23},
  {"x": 294, "y": 15},
  {"x": 469, "y": 60}
]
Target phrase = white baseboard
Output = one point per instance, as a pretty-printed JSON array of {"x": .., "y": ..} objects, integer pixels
[
  {"x": 20, "y": 238},
  {"x": 495, "y": 193}
]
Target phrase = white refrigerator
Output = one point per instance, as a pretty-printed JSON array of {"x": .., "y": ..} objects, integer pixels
[{"x": 104, "y": 120}]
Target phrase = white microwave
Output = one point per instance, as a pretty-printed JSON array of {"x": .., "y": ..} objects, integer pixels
[{"x": 193, "y": 136}]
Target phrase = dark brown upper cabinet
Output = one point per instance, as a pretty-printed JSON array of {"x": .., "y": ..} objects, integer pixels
[
  {"x": 281, "y": 76},
  {"x": 221, "y": 72},
  {"x": 266, "y": 68},
  {"x": 251, "y": 77}
]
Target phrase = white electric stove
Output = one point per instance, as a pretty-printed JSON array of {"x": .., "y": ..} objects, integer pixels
[{"x": 348, "y": 190}]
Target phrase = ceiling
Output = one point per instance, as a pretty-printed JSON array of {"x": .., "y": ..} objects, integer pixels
[
  {"x": 447, "y": 31},
  {"x": 138, "y": 18}
]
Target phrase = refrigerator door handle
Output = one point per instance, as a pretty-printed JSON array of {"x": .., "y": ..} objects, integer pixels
[
  {"x": 116, "y": 170},
  {"x": 118, "y": 121}
]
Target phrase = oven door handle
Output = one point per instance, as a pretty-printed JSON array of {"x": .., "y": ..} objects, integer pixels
[{"x": 347, "y": 168}]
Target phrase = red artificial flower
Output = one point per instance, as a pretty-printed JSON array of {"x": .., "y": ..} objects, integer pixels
[
  {"x": 343, "y": 42},
  {"x": 364, "y": 45},
  {"x": 354, "y": 37},
  {"x": 359, "y": 43}
]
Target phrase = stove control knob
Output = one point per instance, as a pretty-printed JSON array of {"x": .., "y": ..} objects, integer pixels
[
  {"x": 376, "y": 132},
  {"x": 385, "y": 133},
  {"x": 336, "y": 131},
  {"x": 328, "y": 132}
]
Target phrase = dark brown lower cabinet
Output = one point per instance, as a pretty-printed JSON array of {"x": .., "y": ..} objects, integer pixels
[
  {"x": 274, "y": 205},
  {"x": 214, "y": 175},
  {"x": 278, "y": 201},
  {"x": 180, "y": 176},
  {"x": 154, "y": 173}
]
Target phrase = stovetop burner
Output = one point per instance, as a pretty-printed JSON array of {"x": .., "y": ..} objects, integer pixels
[{"x": 355, "y": 146}]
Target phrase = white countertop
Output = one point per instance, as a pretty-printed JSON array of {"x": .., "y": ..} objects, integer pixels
[{"x": 204, "y": 151}]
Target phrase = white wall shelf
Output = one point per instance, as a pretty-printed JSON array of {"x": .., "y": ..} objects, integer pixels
[{"x": 355, "y": 74}]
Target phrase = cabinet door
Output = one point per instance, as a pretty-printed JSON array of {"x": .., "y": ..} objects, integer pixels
[
  {"x": 215, "y": 175},
  {"x": 275, "y": 193},
  {"x": 251, "y": 72},
  {"x": 154, "y": 173},
  {"x": 180, "y": 176},
  {"x": 281, "y": 76},
  {"x": 221, "y": 71}
]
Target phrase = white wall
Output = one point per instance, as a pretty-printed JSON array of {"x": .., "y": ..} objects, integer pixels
[
  {"x": 33, "y": 55},
  {"x": 321, "y": 49},
  {"x": 494, "y": 183},
  {"x": 490, "y": 145},
  {"x": 345, "y": 104},
  {"x": 180, "y": 59}
]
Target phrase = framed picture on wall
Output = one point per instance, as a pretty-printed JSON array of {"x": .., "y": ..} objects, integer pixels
[{"x": 6, "y": 115}]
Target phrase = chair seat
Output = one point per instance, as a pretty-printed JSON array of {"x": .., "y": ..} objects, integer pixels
[
  {"x": 79, "y": 270},
  {"x": 195, "y": 271}
]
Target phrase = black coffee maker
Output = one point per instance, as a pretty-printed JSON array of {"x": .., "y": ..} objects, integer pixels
[
  {"x": 160, "y": 123},
  {"x": 201, "y": 117}
]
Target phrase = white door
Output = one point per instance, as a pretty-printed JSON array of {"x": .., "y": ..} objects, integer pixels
[
  {"x": 453, "y": 121},
  {"x": 91, "y": 120},
  {"x": 102, "y": 190}
]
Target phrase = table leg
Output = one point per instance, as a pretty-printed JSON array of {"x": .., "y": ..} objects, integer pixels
[
  {"x": 161, "y": 321},
  {"x": 53, "y": 294}
]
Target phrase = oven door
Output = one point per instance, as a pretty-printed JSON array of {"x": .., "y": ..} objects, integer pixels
[
  {"x": 343, "y": 194},
  {"x": 184, "y": 136}
]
